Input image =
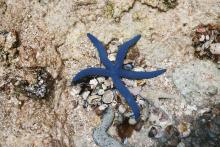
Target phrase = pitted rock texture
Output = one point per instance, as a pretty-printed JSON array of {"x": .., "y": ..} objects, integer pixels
[{"x": 198, "y": 82}]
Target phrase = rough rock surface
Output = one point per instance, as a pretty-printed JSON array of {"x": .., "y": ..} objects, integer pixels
[
  {"x": 52, "y": 34},
  {"x": 199, "y": 82}
]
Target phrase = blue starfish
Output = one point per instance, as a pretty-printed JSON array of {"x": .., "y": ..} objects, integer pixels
[{"x": 116, "y": 71}]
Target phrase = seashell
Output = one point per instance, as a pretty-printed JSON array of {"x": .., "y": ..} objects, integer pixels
[
  {"x": 94, "y": 99},
  {"x": 184, "y": 129}
]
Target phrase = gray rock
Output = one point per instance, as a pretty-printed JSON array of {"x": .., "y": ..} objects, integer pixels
[
  {"x": 100, "y": 136},
  {"x": 108, "y": 97},
  {"x": 194, "y": 80}
]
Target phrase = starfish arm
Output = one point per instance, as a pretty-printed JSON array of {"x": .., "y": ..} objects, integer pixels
[
  {"x": 127, "y": 95},
  {"x": 90, "y": 72},
  {"x": 123, "y": 49},
  {"x": 101, "y": 49},
  {"x": 141, "y": 75}
]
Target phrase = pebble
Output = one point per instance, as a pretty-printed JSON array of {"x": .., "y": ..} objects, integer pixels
[
  {"x": 93, "y": 83},
  {"x": 85, "y": 95},
  {"x": 206, "y": 45},
  {"x": 108, "y": 97},
  {"x": 132, "y": 121},
  {"x": 113, "y": 48},
  {"x": 215, "y": 48},
  {"x": 121, "y": 109},
  {"x": 103, "y": 107},
  {"x": 104, "y": 87},
  {"x": 94, "y": 99},
  {"x": 101, "y": 91},
  {"x": 114, "y": 103},
  {"x": 112, "y": 57},
  {"x": 101, "y": 79},
  {"x": 207, "y": 37},
  {"x": 202, "y": 38},
  {"x": 108, "y": 83}
]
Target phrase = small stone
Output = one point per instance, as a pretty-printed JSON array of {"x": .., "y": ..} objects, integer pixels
[
  {"x": 202, "y": 38},
  {"x": 93, "y": 83},
  {"x": 112, "y": 57},
  {"x": 101, "y": 92},
  {"x": 207, "y": 37},
  {"x": 85, "y": 95},
  {"x": 132, "y": 121},
  {"x": 94, "y": 99},
  {"x": 101, "y": 79},
  {"x": 103, "y": 107},
  {"x": 206, "y": 45},
  {"x": 114, "y": 103},
  {"x": 108, "y": 97},
  {"x": 107, "y": 83},
  {"x": 104, "y": 87},
  {"x": 113, "y": 48},
  {"x": 215, "y": 48},
  {"x": 121, "y": 109}
]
